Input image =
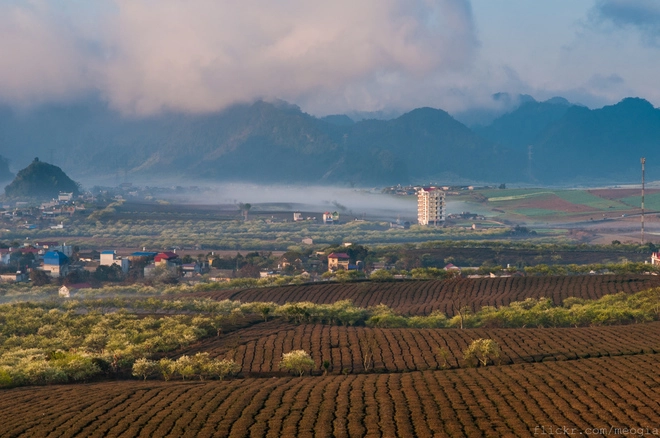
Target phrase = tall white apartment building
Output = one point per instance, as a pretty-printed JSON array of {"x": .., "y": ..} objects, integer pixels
[{"x": 430, "y": 206}]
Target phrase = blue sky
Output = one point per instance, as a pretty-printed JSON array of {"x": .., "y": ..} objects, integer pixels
[{"x": 146, "y": 56}]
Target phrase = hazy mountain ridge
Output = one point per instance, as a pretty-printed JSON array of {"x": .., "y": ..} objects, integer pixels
[
  {"x": 5, "y": 173},
  {"x": 275, "y": 142}
]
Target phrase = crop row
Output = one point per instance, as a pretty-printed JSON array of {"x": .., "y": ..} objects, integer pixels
[
  {"x": 515, "y": 400},
  {"x": 424, "y": 297},
  {"x": 259, "y": 348}
]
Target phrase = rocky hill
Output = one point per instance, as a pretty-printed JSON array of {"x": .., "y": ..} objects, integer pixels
[{"x": 40, "y": 180}]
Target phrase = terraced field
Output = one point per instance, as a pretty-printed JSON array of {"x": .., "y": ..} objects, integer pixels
[
  {"x": 259, "y": 348},
  {"x": 589, "y": 396},
  {"x": 598, "y": 380},
  {"x": 423, "y": 297}
]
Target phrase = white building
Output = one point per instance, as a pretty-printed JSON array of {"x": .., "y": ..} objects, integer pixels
[
  {"x": 63, "y": 196},
  {"x": 109, "y": 258},
  {"x": 430, "y": 206}
]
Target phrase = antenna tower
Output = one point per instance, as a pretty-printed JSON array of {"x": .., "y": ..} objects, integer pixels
[
  {"x": 529, "y": 162},
  {"x": 643, "y": 161}
]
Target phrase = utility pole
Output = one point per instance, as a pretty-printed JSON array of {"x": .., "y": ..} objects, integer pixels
[{"x": 643, "y": 161}]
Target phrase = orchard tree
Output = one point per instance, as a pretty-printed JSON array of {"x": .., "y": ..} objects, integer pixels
[
  {"x": 297, "y": 361},
  {"x": 480, "y": 351},
  {"x": 145, "y": 368}
]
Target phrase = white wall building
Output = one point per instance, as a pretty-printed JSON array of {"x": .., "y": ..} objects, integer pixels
[
  {"x": 109, "y": 258},
  {"x": 430, "y": 206}
]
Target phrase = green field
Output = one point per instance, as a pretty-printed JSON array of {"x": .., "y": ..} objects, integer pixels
[
  {"x": 582, "y": 197},
  {"x": 651, "y": 202},
  {"x": 538, "y": 212}
]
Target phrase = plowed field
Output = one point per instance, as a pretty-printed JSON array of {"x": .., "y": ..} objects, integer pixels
[
  {"x": 259, "y": 348},
  {"x": 423, "y": 297},
  {"x": 517, "y": 400}
]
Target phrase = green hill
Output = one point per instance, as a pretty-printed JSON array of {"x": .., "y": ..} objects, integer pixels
[{"x": 41, "y": 180}]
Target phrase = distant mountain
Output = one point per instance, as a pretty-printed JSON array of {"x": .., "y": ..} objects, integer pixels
[
  {"x": 41, "y": 180},
  {"x": 427, "y": 144},
  {"x": 604, "y": 144},
  {"x": 5, "y": 173},
  {"x": 338, "y": 120},
  {"x": 500, "y": 104},
  {"x": 262, "y": 142},
  {"x": 276, "y": 142},
  {"x": 524, "y": 125}
]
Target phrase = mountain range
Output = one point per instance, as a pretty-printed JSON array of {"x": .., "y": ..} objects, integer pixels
[{"x": 551, "y": 142}]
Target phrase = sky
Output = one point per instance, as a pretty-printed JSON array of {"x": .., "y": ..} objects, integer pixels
[{"x": 144, "y": 57}]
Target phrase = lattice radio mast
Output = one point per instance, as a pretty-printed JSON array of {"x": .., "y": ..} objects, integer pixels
[{"x": 643, "y": 161}]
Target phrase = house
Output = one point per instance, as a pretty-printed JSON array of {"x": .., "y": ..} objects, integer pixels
[
  {"x": 655, "y": 258},
  {"x": 5, "y": 255},
  {"x": 338, "y": 261},
  {"x": 192, "y": 269},
  {"x": 142, "y": 255},
  {"x": 65, "y": 197},
  {"x": 297, "y": 216},
  {"x": 452, "y": 267},
  {"x": 67, "y": 290},
  {"x": 14, "y": 278},
  {"x": 109, "y": 258},
  {"x": 327, "y": 217},
  {"x": 307, "y": 241},
  {"x": 268, "y": 274},
  {"x": 221, "y": 275},
  {"x": 166, "y": 258},
  {"x": 56, "y": 264}
]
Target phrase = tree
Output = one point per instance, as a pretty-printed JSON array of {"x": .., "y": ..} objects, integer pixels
[
  {"x": 145, "y": 368},
  {"x": 297, "y": 361},
  {"x": 480, "y": 351},
  {"x": 39, "y": 278},
  {"x": 245, "y": 208},
  {"x": 166, "y": 368},
  {"x": 368, "y": 346},
  {"x": 108, "y": 273},
  {"x": 381, "y": 275},
  {"x": 221, "y": 368},
  {"x": 185, "y": 366}
]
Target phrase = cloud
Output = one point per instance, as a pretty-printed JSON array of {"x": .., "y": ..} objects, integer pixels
[
  {"x": 146, "y": 56},
  {"x": 643, "y": 15},
  {"x": 605, "y": 83}
]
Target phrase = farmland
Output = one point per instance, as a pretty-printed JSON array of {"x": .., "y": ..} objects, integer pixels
[
  {"x": 396, "y": 350},
  {"x": 510, "y": 400},
  {"x": 367, "y": 378},
  {"x": 424, "y": 297}
]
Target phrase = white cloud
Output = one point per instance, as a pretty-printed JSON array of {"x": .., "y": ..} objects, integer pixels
[{"x": 145, "y": 56}]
